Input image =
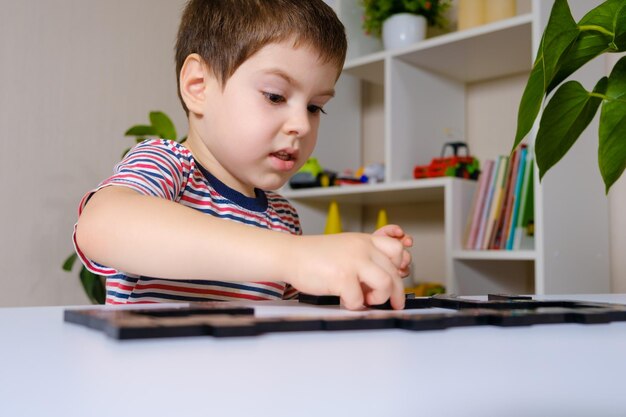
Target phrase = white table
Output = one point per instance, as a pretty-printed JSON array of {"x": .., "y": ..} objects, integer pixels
[{"x": 52, "y": 368}]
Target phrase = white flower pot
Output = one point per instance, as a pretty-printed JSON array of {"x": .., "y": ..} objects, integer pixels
[{"x": 403, "y": 29}]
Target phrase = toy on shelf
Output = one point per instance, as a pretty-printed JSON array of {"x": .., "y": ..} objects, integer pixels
[
  {"x": 333, "y": 221},
  {"x": 374, "y": 173},
  {"x": 312, "y": 175},
  {"x": 451, "y": 166}
]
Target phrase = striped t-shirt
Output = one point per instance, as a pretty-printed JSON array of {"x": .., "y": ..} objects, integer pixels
[{"x": 167, "y": 169}]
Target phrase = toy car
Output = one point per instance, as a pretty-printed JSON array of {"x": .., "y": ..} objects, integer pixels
[
  {"x": 312, "y": 175},
  {"x": 452, "y": 166}
]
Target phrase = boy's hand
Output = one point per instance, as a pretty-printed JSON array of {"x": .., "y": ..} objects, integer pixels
[
  {"x": 362, "y": 269},
  {"x": 396, "y": 232}
]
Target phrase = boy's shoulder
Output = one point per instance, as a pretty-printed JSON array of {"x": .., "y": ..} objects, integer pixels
[{"x": 164, "y": 144}]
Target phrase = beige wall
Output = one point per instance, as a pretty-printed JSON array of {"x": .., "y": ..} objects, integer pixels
[{"x": 74, "y": 75}]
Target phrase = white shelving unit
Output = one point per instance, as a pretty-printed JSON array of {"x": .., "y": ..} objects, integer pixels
[{"x": 424, "y": 95}]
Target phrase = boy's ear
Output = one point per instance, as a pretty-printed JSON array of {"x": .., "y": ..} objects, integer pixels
[{"x": 193, "y": 81}]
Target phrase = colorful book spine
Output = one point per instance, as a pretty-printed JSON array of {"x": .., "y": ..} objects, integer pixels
[
  {"x": 504, "y": 212},
  {"x": 496, "y": 203},
  {"x": 489, "y": 199},
  {"x": 526, "y": 208},
  {"x": 480, "y": 196},
  {"x": 510, "y": 227}
]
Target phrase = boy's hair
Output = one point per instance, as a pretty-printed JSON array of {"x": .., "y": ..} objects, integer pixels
[{"x": 225, "y": 33}]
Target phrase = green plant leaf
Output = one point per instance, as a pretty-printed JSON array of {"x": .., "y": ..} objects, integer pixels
[
  {"x": 588, "y": 46},
  {"x": 69, "y": 262},
  {"x": 559, "y": 35},
  {"x": 566, "y": 116},
  {"x": 612, "y": 149},
  {"x": 93, "y": 286},
  {"x": 619, "y": 25},
  {"x": 601, "y": 30},
  {"x": 531, "y": 102},
  {"x": 141, "y": 130},
  {"x": 163, "y": 125}
]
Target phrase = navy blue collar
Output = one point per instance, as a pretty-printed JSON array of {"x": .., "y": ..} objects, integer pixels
[{"x": 257, "y": 203}]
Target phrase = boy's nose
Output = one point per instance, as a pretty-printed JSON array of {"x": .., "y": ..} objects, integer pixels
[{"x": 298, "y": 123}]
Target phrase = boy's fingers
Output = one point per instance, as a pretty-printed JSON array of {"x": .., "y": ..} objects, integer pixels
[
  {"x": 406, "y": 260},
  {"x": 392, "y": 248},
  {"x": 382, "y": 282},
  {"x": 352, "y": 295}
]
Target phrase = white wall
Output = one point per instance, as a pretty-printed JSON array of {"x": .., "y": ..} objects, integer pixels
[{"x": 74, "y": 75}]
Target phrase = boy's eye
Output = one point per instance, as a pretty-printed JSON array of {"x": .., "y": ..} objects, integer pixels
[
  {"x": 274, "y": 98},
  {"x": 315, "y": 109}
]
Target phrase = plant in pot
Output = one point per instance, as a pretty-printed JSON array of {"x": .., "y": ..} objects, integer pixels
[
  {"x": 402, "y": 22},
  {"x": 161, "y": 126},
  {"x": 566, "y": 46}
]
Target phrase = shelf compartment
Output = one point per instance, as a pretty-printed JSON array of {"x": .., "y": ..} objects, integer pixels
[{"x": 490, "y": 51}]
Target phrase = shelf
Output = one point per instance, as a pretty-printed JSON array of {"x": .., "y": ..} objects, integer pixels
[
  {"x": 368, "y": 68},
  {"x": 423, "y": 190},
  {"x": 485, "y": 52},
  {"x": 496, "y": 255}
]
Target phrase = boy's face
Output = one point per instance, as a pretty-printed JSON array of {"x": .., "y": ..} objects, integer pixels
[{"x": 262, "y": 126}]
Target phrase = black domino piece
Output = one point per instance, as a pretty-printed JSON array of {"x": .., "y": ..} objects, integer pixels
[
  {"x": 372, "y": 321},
  {"x": 470, "y": 317},
  {"x": 507, "y": 297},
  {"x": 419, "y": 322},
  {"x": 289, "y": 324},
  {"x": 319, "y": 300},
  {"x": 236, "y": 326},
  {"x": 153, "y": 331},
  {"x": 409, "y": 304},
  {"x": 513, "y": 318},
  {"x": 589, "y": 316},
  {"x": 234, "y": 310}
]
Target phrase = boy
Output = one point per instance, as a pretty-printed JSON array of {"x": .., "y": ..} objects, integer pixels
[{"x": 253, "y": 79}]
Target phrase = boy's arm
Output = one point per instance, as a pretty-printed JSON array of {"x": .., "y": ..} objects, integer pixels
[{"x": 155, "y": 237}]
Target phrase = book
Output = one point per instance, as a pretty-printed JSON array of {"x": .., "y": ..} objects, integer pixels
[
  {"x": 526, "y": 213},
  {"x": 490, "y": 188},
  {"x": 510, "y": 226},
  {"x": 480, "y": 196},
  {"x": 504, "y": 212},
  {"x": 496, "y": 202}
]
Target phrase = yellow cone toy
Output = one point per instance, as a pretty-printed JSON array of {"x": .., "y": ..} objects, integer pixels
[
  {"x": 382, "y": 219},
  {"x": 333, "y": 221}
]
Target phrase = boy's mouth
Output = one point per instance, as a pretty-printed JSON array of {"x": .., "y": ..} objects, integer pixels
[
  {"x": 284, "y": 160},
  {"x": 282, "y": 155}
]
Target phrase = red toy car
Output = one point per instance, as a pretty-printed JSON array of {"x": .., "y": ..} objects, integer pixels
[{"x": 451, "y": 166}]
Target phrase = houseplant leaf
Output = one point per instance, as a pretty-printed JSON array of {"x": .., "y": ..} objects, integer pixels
[
  {"x": 92, "y": 285},
  {"x": 612, "y": 149},
  {"x": 141, "y": 130},
  {"x": 601, "y": 30},
  {"x": 163, "y": 125},
  {"x": 566, "y": 116},
  {"x": 559, "y": 35},
  {"x": 69, "y": 262}
]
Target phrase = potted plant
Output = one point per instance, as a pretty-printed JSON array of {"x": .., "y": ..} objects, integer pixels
[
  {"x": 402, "y": 22},
  {"x": 161, "y": 126},
  {"x": 566, "y": 46}
]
